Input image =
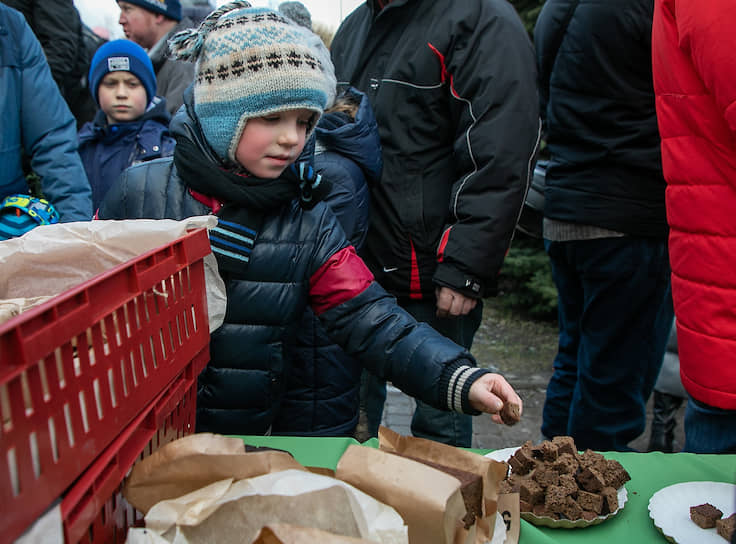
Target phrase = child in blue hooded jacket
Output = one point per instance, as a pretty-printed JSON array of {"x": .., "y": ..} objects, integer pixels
[{"x": 132, "y": 123}]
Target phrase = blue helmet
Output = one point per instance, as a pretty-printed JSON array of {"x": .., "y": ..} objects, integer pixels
[{"x": 21, "y": 213}]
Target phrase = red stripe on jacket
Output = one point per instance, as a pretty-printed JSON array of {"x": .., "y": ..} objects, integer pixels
[
  {"x": 341, "y": 278},
  {"x": 445, "y": 74},
  {"x": 443, "y": 245},
  {"x": 415, "y": 286}
]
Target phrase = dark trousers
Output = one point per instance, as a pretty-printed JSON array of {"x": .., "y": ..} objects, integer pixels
[
  {"x": 427, "y": 422},
  {"x": 615, "y": 314},
  {"x": 709, "y": 429}
]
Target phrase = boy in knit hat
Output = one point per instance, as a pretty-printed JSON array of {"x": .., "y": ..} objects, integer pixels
[
  {"x": 132, "y": 124},
  {"x": 261, "y": 84}
]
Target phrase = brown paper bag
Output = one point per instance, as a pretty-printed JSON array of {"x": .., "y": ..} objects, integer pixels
[
  {"x": 280, "y": 533},
  {"x": 429, "y": 500},
  {"x": 490, "y": 471},
  {"x": 196, "y": 461},
  {"x": 508, "y": 508}
]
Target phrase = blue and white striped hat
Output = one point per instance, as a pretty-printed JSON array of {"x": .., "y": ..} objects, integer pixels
[{"x": 252, "y": 62}]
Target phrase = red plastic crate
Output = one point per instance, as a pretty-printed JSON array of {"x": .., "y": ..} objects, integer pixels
[
  {"x": 93, "y": 510},
  {"x": 78, "y": 369}
]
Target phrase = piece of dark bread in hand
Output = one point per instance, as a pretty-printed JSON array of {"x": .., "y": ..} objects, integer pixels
[{"x": 510, "y": 413}]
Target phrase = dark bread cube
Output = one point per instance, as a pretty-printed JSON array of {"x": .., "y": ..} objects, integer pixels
[
  {"x": 546, "y": 476},
  {"x": 567, "y": 482},
  {"x": 531, "y": 492},
  {"x": 705, "y": 515},
  {"x": 546, "y": 451},
  {"x": 590, "y": 501},
  {"x": 615, "y": 474},
  {"x": 591, "y": 480},
  {"x": 726, "y": 527},
  {"x": 556, "y": 499},
  {"x": 522, "y": 462},
  {"x": 510, "y": 413},
  {"x": 566, "y": 464},
  {"x": 565, "y": 444},
  {"x": 572, "y": 509},
  {"x": 541, "y": 511},
  {"x": 592, "y": 459},
  {"x": 610, "y": 500},
  {"x": 505, "y": 486}
]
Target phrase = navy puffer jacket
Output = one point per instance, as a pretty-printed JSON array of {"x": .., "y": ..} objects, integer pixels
[
  {"x": 300, "y": 258},
  {"x": 597, "y": 97},
  {"x": 323, "y": 384}
]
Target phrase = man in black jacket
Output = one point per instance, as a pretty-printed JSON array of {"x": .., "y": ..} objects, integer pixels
[
  {"x": 453, "y": 88},
  {"x": 64, "y": 40},
  {"x": 605, "y": 227},
  {"x": 151, "y": 25}
]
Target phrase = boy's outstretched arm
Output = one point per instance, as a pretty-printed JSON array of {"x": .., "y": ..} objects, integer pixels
[{"x": 366, "y": 321}]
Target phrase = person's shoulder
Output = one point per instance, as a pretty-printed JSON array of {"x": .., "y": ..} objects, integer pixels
[{"x": 12, "y": 23}]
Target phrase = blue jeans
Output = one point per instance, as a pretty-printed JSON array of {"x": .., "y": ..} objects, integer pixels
[
  {"x": 615, "y": 314},
  {"x": 427, "y": 422},
  {"x": 709, "y": 429}
]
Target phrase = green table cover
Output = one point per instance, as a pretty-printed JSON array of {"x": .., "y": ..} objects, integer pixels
[{"x": 650, "y": 472}]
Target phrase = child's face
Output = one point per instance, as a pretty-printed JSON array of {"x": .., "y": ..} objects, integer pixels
[
  {"x": 269, "y": 144},
  {"x": 122, "y": 97}
]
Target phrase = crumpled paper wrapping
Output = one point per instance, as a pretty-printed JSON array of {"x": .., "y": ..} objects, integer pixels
[
  {"x": 282, "y": 533},
  {"x": 235, "y": 511},
  {"x": 206, "y": 488},
  {"x": 196, "y": 461},
  {"x": 50, "y": 259}
]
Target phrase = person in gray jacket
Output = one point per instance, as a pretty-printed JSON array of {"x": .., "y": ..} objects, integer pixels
[{"x": 151, "y": 25}]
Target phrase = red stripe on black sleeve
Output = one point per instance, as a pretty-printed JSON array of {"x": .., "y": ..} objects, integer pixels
[
  {"x": 341, "y": 278},
  {"x": 443, "y": 245}
]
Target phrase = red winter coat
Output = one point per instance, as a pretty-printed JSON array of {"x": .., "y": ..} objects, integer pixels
[{"x": 694, "y": 56}]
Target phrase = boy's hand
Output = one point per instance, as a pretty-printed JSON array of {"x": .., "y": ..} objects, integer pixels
[{"x": 490, "y": 392}]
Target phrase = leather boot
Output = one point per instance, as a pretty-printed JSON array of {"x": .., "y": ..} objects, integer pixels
[{"x": 664, "y": 421}]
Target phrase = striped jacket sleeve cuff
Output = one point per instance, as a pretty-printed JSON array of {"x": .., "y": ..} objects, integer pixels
[{"x": 455, "y": 382}]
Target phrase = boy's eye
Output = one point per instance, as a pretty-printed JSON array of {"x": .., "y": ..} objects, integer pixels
[
  {"x": 305, "y": 122},
  {"x": 271, "y": 118}
]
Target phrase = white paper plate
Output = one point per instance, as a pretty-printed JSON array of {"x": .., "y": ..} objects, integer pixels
[
  {"x": 502, "y": 454},
  {"x": 669, "y": 509}
]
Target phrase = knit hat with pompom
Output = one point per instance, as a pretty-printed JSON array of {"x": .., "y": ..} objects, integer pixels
[{"x": 252, "y": 62}]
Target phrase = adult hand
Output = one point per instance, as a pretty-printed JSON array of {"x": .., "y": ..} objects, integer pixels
[
  {"x": 451, "y": 303},
  {"x": 490, "y": 392}
]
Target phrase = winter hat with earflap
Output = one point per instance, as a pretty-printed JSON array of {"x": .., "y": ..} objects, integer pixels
[
  {"x": 251, "y": 62},
  {"x": 122, "y": 56}
]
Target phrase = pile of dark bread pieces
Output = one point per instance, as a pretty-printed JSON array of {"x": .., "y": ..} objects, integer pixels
[{"x": 554, "y": 480}]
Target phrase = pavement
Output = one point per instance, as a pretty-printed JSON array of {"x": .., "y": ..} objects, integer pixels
[{"x": 399, "y": 408}]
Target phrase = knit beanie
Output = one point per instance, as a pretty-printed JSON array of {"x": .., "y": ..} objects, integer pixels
[
  {"x": 297, "y": 12},
  {"x": 122, "y": 56},
  {"x": 252, "y": 62},
  {"x": 170, "y": 8}
]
